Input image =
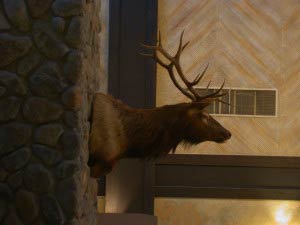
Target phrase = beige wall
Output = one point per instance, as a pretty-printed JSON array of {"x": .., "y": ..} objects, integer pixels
[
  {"x": 226, "y": 212},
  {"x": 250, "y": 43}
]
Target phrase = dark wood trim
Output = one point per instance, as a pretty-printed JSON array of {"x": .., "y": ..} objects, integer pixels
[
  {"x": 151, "y": 39},
  {"x": 228, "y": 193},
  {"x": 132, "y": 79},
  {"x": 114, "y": 48},
  {"x": 230, "y": 160},
  {"x": 150, "y": 86},
  {"x": 222, "y": 176}
]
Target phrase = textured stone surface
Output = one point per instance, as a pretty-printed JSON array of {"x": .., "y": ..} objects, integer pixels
[
  {"x": 48, "y": 134},
  {"x": 66, "y": 169},
  {"x": 16, "y": 160},
  {"x": 59, "y": 24},
  {"x": 12, "y": 219},
  {"x": 39, "y": 110},
  {"x": 2, "y": 91},
  {"x": 48, "y": 41},
  {"x": 40, "y": 221},
  {"x": 12, "y": 82},
  {"x": 67, "y": 8},
  {"x": 72, "y": 119},
  {"x": 4, "y": 25},
  {"x": 3, "y": 174},
  {"x": 17, "y": 13},
  {"x": 73, "y": 67},
  {"x": 49, "y": 58},
  {"x": 68, "y": 193},
  {"x": 72, "y": 98},
  {"x": 50, "y": 68},
  {"x": 12, "y": 136},
  {"x": 44, "y": 85},
  {"x": 26, "y": 65},
  {"x": 51, "y": 210},
  {"x": 73, "y": 36},
  {"x": 5, "y": 192},
  {"x": 9, "y": 108},
  {"x": 38, "y": 179},
  {"x": 3, "y": 208},
  {"x": 37, "y": 8},
  {"x": 27, "y": 205},
  {"x": 16, "y": 180},
  {"x": 12, "y": 47},
  {"x": 71, "y": 144},
  {"x": 48, "y": 156}
]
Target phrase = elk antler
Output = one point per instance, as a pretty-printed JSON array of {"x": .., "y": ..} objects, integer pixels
[{"x": 174, "y": 62}]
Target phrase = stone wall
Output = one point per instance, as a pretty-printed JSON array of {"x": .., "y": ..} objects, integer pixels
[{"x": 49, "y": 60}]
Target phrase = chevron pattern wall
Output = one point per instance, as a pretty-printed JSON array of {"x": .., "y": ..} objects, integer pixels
[{"x": 250, "y": 43}]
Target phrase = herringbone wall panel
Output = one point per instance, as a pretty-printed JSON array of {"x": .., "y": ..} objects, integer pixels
[{"x": 251, "y": 44}]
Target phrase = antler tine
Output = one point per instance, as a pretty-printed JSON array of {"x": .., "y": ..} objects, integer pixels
[
  {"x": 214, "y": 95},
  {"x": 169, "y": 67},
  {"x": 199, "y": 76},
  {"x": 208, "y": 84},
  {"x": 172, "y": 76},
  {"x": 174, "y": 63}
]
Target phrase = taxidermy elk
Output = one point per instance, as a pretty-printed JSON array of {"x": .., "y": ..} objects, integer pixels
[{"x": 119, "y": 131}]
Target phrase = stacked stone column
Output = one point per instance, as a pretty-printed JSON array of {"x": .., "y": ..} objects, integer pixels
[{"x": 49, "y": 66}]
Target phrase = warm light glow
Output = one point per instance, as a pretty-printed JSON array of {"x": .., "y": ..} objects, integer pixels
[{"x": 283, "y": 215}]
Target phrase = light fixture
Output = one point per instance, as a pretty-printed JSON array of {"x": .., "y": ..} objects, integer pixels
[{"x": 283, "y": 215}]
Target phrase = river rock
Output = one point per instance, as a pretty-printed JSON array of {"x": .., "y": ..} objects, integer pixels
[
  {"x": 13, "y": 47},
  {"x": 27, "y": 206},
  {"x": 9, "y": 108},
  {"x": 13, "y": 136},
  {"x": 48, "y": 156},
  {"x": 73, "y": 66},
  {"x": 48, "y": 41},
  {"x": 39, "y": 110},
  {"x": 4, "y": 24},
  {"x": 73, "y": 36},
  {"x": 66, "y": 8},
  {"x": 44, "y": 85},
  {"x": 17, "y": 13},
  {"x": 59, "y": 24},
  {"x": 38, "y": 8},
  {"x": 72, "y": 98},
  {"x": 16, "y": 160},
  {"x": 71, "y": 144},
  {"x": 16, "y": 180},
  {"x": 51, "y": 210},
  {"x": 38, "y": 179},
  {"x": 12, "y": 82},
  {"x": 48, "y": 134},
  {"x": 29, "y": 63}
]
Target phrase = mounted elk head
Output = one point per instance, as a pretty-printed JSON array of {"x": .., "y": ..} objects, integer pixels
[{"x": 119, "y": 131}]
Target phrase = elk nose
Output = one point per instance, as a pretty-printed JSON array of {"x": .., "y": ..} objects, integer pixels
[{"x": 228, "y": 134}]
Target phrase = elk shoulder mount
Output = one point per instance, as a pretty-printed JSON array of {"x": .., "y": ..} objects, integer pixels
[{"x": 119, "y": 131}]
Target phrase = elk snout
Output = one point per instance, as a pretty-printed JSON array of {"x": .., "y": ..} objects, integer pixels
[{"x": 224, "y": 136}]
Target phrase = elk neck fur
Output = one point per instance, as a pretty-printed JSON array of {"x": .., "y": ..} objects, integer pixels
[{"x": 119, "y": 130}]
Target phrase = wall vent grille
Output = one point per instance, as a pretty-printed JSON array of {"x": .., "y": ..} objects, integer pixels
[{"x": 244, "y": 102}]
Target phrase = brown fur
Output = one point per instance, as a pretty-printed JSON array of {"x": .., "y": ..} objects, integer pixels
[{"x": 120, "y": 131}]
